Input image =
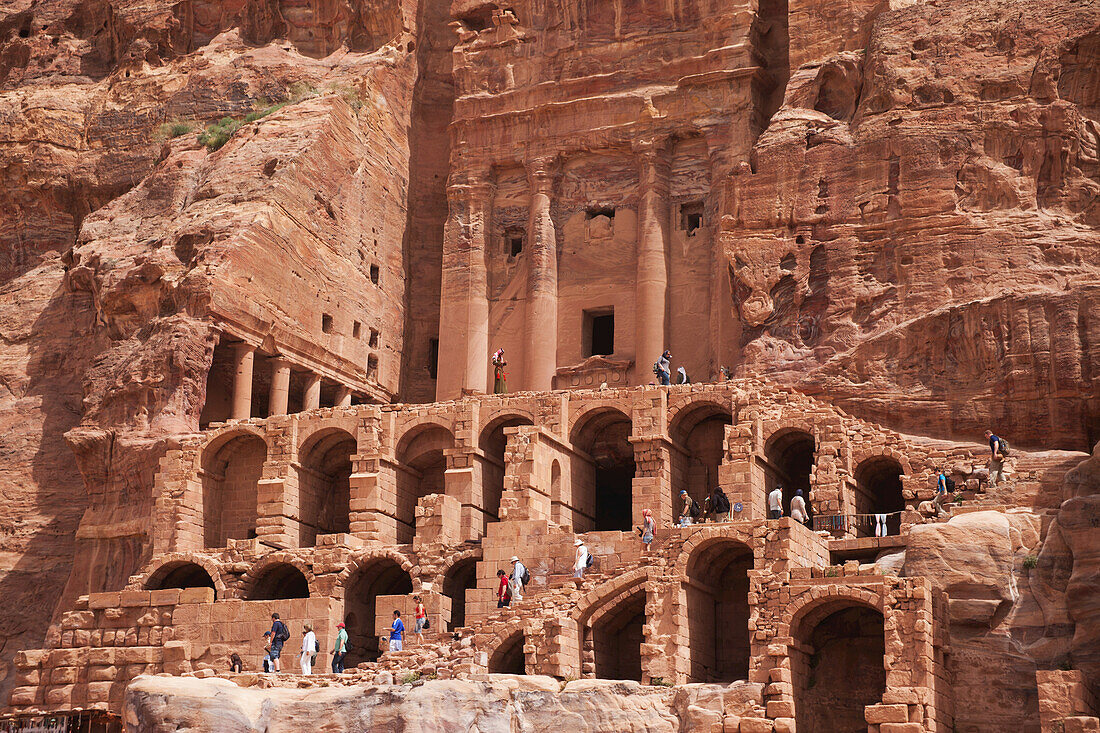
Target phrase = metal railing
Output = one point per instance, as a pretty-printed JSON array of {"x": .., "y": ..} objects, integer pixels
[{"x": 868, "y": 525}]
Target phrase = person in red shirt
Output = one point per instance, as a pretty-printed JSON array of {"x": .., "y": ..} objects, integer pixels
[
  {"x": 421, "y": 620},
  {"x": 504, "y": 594}
]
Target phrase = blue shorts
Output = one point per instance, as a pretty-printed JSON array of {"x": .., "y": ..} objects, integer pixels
[{"x": 276, "y": 649}]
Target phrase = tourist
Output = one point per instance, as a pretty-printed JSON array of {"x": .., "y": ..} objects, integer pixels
[
  {"x": 518, "y": 579},
  {"x": 420, "y": 620},
  {"x": 648, "y": 528},
  {"x": 504, "y": 591},
  {"x": 691, "y": 510},
  {"x": 309, "y": 648},
  {"x": 998, "y": 449},
  {"x": 268, "y": 664},
  {"x": 235, "y": 663},
  {"x": 279, "y": 635},
  {"x": 500, "y": 379},
  {"x": 663, "y": 368},
  {"x": 397, "y": 631},
  {"x": 945, "y": 486},
  {"x": 339, "y": 649},
  {"x": 720, "y": 505},
  {"x": 582, "y": 559},
  {"x": 723, "y": 373},
  {"x": 798, "y": 508},
  {"x": 775, "y": 503}
]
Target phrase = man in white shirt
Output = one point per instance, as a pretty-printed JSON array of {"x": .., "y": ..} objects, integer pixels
[
  {"x": 516, "y": 579},
  {"x": 581, "y": 560},
  {"x": 775, "y": 503}
]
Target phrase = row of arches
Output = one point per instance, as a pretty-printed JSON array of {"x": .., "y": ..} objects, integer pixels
[
  {"x": 362, "y": 587},
  {"x": 594, "y": 492}
]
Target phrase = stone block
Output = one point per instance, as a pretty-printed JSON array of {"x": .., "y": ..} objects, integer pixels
[
  {"x": 780, "y": 709},
  {"x": 196, "y": 595},
  {"x": 103, "y": 600},
  {"x": 755, "y": 725},
  {"x": 901, "y": 728},
  {"x": 877, "y": 714},
  {"x": 1080, "y": 724},
  {"x": 165, "y": 597},
  {"x": 133, "y": 598}
]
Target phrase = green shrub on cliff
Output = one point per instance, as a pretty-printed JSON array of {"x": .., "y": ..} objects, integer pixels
[{"x": 218, "y": 133}]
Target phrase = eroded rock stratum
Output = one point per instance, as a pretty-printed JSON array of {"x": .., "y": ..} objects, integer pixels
[{"x": 218, "y": 366}]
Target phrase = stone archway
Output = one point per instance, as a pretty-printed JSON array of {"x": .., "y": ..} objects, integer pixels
[
  {"x": 789, "y": 454},
  {"x": 508, "y": 657},
  {"x": 374, "y": 577},
  {"x": 493, "y": 443},
  {"x": 616, "y": 636},
  {"x": 231, "y": 471},
  {"x": 324, "y": 490},
  {"x": 602, "y": 483},
  {"x": 698, "y": 431},
  {"x": 718, "y": 611},
  {"x": 837, "y": 666},
  {"x": 421, "y": 470},
  {"x": 181, "y": 574},
  {"x": 878, "y": 491},
  {"x": 278, "y": 581}
]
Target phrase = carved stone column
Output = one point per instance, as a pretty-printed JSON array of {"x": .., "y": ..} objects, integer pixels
[
  {"x": 541, "y": 357},
  {"x": 651, "y": 283},
  {"x": 343, "y": 396},
  {"x": 311, "y": 400},
  {"x": 280, "y": 386},
  {"x": 244, "y": 355},
  {"x": 464, "y": 310}
]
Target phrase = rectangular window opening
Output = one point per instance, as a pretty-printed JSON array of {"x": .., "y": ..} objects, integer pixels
[
  {"x": 372, "y": 368},
  {"x": 515, "y": 246},
  {"x": 374, "y": 274},
  {"x": 355, "y": 328},
  {"x": 599, "y": 332},
  {"x": 433, "y": 357},
  {"x": 374, "y": 334},
  {"x": 593, "y": 211},
  {"x": 691, "y": 217},
  {"x": 326, "y": 323}
]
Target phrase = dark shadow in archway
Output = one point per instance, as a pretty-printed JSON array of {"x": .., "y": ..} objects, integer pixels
[
  {"x": 382, "y": 577},
  {"x": 279, "y": 582}
]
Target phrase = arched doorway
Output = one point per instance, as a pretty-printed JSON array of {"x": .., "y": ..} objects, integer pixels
[
  {"x": 380, "y": 577},
  {"x": 180, "y": 575},
  {"x": 603, "y": 483},
  {"x": 324, "y": 489},
  {"x": 493, "y": 443},
  {"x": 460, "y": 579},
  {"x": 616, "y": 639},
  {"x": 230, "y": 475},
  {"x": 838, "y": 669},
  {"x": 718, "y": 611},
  {"x": 508, "y": 658},
  {"x": 878, "y": 491},
  {"x": 422, "y": 467},
  {"x": 790, "y": 462},
  {"x": 278, "y": 582},
  {"x": 699, "y": 434}
]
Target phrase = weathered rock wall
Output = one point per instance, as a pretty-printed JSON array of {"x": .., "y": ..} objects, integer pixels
[{"x": 915, "y": 233}]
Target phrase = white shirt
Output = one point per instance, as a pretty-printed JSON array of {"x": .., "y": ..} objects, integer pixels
[
  {"x": 582, "y": 558},
  {"x": 517, "y": 573},
  {"x": 775, "y": 499},
  {"x": 309, "y": 642},
  {"x": 798, "y": 509}
]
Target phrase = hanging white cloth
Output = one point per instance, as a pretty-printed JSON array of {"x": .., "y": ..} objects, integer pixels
[{"x": 880, "y": 525}]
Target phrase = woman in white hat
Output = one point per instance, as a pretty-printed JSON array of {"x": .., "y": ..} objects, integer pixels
[{"x": 582, "y": 559}]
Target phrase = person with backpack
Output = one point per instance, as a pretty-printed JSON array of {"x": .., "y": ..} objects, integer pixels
[
  {"x": 690, "y": 511},
  {"x": 280, "y": 634},
  {"x": 309, "y": 648},
  {"x": 420, "y": 620},
  {"x": 720, "y": 505},
  {"x": 339, "y": 649},
  {"x": 775, "y": 503},
  {"x": 268, "y": 663},
  {"x": 519, "y": 579},
  {"x": 583, "y": 559},
  {"x": 397, "y": 632},
  {"x": 998, "y": 448},
  {"x": 663, "y": 368},
  {"x": 504, "y": 591}
]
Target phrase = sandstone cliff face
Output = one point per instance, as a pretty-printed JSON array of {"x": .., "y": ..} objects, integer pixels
[
  {"x": 506, "y": 703},
  {"x": 915, "y": 232},
  {"x": 119, "y": 246}
]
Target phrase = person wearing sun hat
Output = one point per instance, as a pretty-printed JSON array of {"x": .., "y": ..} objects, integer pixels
[
  {"x": 581, "y": 562},
  {"x": 517, "y": 579},
  {"x": 339, "y": 649}
]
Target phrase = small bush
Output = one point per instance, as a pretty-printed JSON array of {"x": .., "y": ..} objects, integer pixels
[
  {"x": 659, "y": 682},
  {"x": 410, "y": 678},
  {"x": 1065, "y": 666},
  {"x": 1031, "y": 561},
  {"x": 172, "y": 129},
  {"x": 217, "y": 134},
  {"x": 958, "y": 498}
]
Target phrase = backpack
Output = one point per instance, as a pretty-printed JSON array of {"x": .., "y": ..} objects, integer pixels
[
  {"x": 1003, "y": 445},
  {"x": 588, "y": 560},
  {"x": 721, "y": 503},
  {"x": 949, "y": 484},
  {"x": 316, "y": 645},
  {"x": 282, "y": 633},
  {"x": 526, "y": 577},
  {"x": 694, "y": 509},
  {"x": 656, "y": 368}
]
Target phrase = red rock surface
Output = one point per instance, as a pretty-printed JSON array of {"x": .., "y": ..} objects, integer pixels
[{"x": 913, "y": 235}]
